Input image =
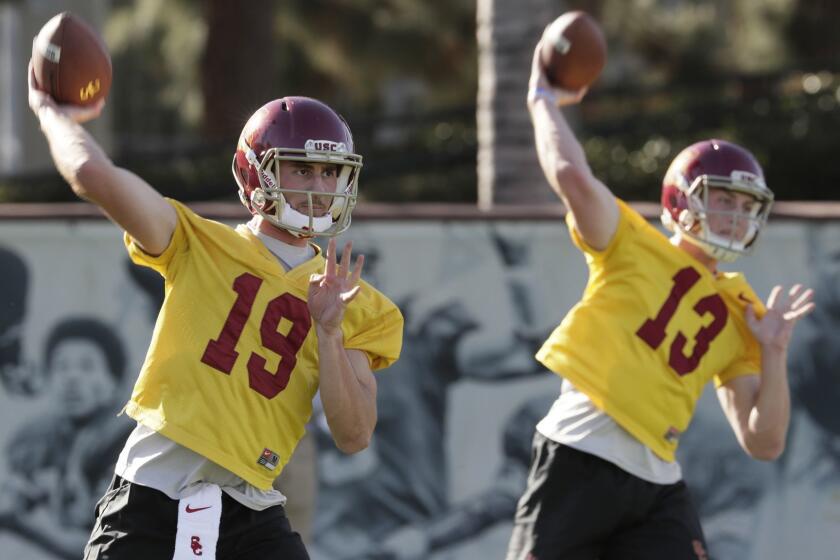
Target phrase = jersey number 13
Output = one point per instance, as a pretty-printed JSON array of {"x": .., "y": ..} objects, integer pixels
[{"x": 653, "y": 333}]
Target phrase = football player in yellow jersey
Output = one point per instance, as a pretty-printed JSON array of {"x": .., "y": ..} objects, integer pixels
[
  {"x": 253, "y": 323},
  {"x": 657, "y": 321}
]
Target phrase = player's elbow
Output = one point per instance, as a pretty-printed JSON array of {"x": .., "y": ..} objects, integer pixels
[
  {"x": 352, "y": 443},
  {"x": 771, "y": 453},
  {"x": 90, "y": 178},
  {"x": 572, "y": 182},
  {"x": 350, "y": 436},
  {"x": 766, "y": 449}
]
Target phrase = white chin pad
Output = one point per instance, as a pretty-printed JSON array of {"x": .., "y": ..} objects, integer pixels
[{"x": 293, "y": 218}]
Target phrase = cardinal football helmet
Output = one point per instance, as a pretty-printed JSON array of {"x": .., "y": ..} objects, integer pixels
[
  {"x": 296, "y": 129},
  {"x": 685, "y": 196}
]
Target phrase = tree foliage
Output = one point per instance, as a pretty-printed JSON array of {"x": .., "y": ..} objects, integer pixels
[
  {"x": 188, "y": 73},
  {"x": 752, "y": 71}
]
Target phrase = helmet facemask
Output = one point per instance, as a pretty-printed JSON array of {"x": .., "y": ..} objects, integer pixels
[
  {"x": 269, "y": 200},
  {"x": 693, "y": 222}
]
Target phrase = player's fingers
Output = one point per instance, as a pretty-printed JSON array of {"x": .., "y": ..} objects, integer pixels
[
  {"x": 344, "y": 267},
  {"x": 329, "y": 270},
  {"x": 357, "y": 270},
  {"x": 568, "y": 97},
  {"x": 85, "y": 113},
  {"x": 33, "y": 83},
  {"x": 797, "y": 314},
  {"x": 774, "y": 295},
  {"x": 538, "y": 79},
  {"x": 803, "y": 298},
  {"x": 31, "y": 77},
  {"x": 348, "y": 296},
  {"x": 34, "y": 50},
  {"x": 316, "y": 279},
  {"x": 792, "y": 293},
  {"x": 535, "y": 61},
  {"x": 37, "y": 97}
]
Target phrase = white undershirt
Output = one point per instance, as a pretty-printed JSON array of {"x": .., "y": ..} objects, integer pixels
[
  {"x": 153, "y": 460},
  {"x": 290, "y": 255},
  {"x": 575, "y": 421}
]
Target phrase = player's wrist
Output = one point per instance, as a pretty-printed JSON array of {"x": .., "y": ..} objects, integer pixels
[
  {"x": 329, "y": 332},
  {"x": 774, "y": 351},
  {"x": 540, "y": 93},
  {"x": 43, "y": 111}
]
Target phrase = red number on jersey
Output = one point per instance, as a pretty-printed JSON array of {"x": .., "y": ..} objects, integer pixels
[
  {"x": 653, "y": 332},
  {"x": 295, "y": 310},
  {"x": 221, "y": 354}
]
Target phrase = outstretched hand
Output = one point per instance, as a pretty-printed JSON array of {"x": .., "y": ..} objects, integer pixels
[
  {"x": 330, "y": 292},
  {"x": 39, "y": 99},
  {"x": 774, "y": 329},
  {"x": 539, "y": 86}
]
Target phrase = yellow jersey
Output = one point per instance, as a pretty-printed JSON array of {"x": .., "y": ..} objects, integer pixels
[
  {"x": 653, "y": 326},
  {"x": 233, "y": 363}
]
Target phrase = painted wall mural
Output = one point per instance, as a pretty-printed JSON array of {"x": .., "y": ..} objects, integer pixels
[{"x": 456, "y": 414}]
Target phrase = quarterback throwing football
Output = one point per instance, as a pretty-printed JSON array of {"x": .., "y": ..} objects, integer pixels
[
  {"x": 656, "y": 322},
  {"x": 255, "y": 321}
]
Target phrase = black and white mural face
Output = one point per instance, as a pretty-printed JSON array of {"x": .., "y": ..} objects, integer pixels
[
  {"x": 451, "y": 451},
  {"x": 74, "y": 325}
]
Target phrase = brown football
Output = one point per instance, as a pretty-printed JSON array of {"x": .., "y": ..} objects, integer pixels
[
  {"x": 574, "y": 51},
  {"x": 71, "y": 61}
]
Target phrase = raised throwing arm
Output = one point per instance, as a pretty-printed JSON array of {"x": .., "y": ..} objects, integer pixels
[
  {"x": 128, "y": 200},
  {"x": 564, "y": 163}
]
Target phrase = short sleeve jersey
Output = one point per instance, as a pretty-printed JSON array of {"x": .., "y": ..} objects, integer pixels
[
  {"x": 652, "y": 328},
  {"x": 233, "y": 363}
]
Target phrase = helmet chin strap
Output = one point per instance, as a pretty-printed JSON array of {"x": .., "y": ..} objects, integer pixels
[
  {"x": 291, "y": 217},
  {"x": 714, "y": 251}
]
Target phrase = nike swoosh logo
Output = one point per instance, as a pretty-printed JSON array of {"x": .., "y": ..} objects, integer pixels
[
  {"x": 193, "y": 510},
  {"x": 744, "y": 298}
]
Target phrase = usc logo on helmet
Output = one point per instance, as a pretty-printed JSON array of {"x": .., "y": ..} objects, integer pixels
[{"x": 325, "y": 146}]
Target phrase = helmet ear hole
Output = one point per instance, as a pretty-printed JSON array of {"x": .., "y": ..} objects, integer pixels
[{"x": 253, "y": 178}]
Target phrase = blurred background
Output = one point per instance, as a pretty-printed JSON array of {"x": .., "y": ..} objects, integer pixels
[{"x": 430, "y": 87}]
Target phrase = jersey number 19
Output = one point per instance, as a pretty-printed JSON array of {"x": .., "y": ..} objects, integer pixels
[{"x": 221, "y": 353}]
